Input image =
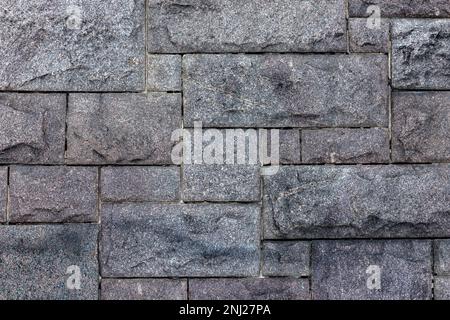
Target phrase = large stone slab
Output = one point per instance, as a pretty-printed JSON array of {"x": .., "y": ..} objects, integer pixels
[
  {"x": 286, "y": 90},
  {"x": 32, "y": 128},
  {"x": 421, "y": 54},
  {"x": 44, "y": 262},
  {"x": 3, "y": 192},
  {"x": 421, "y": 126},
  {"x": 401, "y": 8},
  {"x": 144, "y": 289},
  {"x": 122, "y": 128},
  {"x": 64, "y": 45},
  {"x": 179, "y": 240},
  {"x": 246, "y": 26},
  {"x": 249, "y": 289},
  {"x": 53, "y": 194},
  {"x": 371, "y": 270},
  {"x": 357, "y": 202}
]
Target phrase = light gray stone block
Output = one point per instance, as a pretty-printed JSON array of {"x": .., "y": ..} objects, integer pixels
[
  {"x": 363, "y": 37},
  {"x": 287, "y": 258},
  {"x": 144, "y": 289},
  {"x": 442, "y": 288},
  {"x": 164, "y": 72}
]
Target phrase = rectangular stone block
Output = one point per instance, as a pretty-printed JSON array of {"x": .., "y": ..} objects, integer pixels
[
  {"x": 371, "y": 270},
  {"x": 48, "y": 262},
  {"x": 164, "y": 72},
  {"x": 32, "y": 127},
  {"x": 179, "y": 240},
  {"x": 346, "y": 145},
  {"x": 122, "y": 128},
  {"x": 377, "y": 201},
  {"x": 249, "y": 289},
  {"x": 120, "y": 184},
  {"x": 442, "y": 257},
  {"x": 225, "y": 90},
  {"x": 144, "y": 289},
  {"x": 53, "y": 194},
  {"x": 421, "y": 126},
  {"x": 3, "y": 192},
  {"x": 421, "y": 54},
  {"x": 287, "y": 258},
  {"x": 442, "y": 288},
  {"x": 401, "y": 8},
  {"x": 289, "y": 147},
  {"x": 365, "y": 37},
  {"x": 249, "y": 26},
  {"x": 72, "y": 46},
  {"x": 207, "y": 182}
]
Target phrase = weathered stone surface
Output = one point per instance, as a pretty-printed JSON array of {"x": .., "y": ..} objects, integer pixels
[
  {"x": 363, "y": 38},
  {"x": 401, "y": 8},
  {"x": 421, "y": 126},
  {"x": 442, "y": 288},
  {"x": 120, "y": 184},
  {"x": 144, "y": 289},
  {"x": 289, "y": 147},
  {"x": 249, "y": 289},
  {"x": 205, "y": 182},
  {"x": 285, "y": 90},
  {"x": 71, "y": 46},
  {"x": 164, "y": 72},
  {"x": 165, "y": 240},
  {"x": 442, "y": 257},
  {"x": 122, "y": 128},
  {"x": 53, "y": 194},
  {"x": 344, "y": 270},
  {"x": 287, "y": 258},
  {"x": 421, "y": 54},
  {"x": 250, "y": 26},
  {"x": 3, "y": 192},
  {"x": 37, "y": 262},
  {"x": 32, "y": 128},
  {"x": 345, "y": 145},
  {"x": 357, "y": 201}
]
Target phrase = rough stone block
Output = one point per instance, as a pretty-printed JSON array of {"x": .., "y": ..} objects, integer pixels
[
  {"x": 64, "y": 45},
  {"x": 44, "y": 262},
  {"x": 3, "y": 192},
  {"x": 346, "y": 146},
  {"x": 286, "y": 90},
  {"x": 53, "y": 194},
  {"x": 144, "y": 289},
  {"x": 421, "y": 126},
  {"x": 287, "y": 258},
  {"x": 237, "y": 26},
  {"x": 371, "y": 270},
  {"x": 32, "y": 127},
  {"x": 122, "y": 128},
  {"x": 119, "y": 184},
  {"x": 249, "y": 289},
  {"x": 289, "y": 147},
  {"x": 164, "y": 72},
  {"x": 421, "y": 54},
  {"x": 364, "y": 38},
  {"x": 179, "y": 240},
  {"x": 442, "y": 288},
  {"x": 205, "y": 182},
  {"x": 357, "y": 201},
  {"x": 401, "y": 8},
  {"x": 442, "y": 257}
]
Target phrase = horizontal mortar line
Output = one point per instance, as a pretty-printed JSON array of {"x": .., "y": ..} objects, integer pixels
[
  {"x": 404, "y": 18},
  {"x": 419, "y": 90},
  {"x": 282, "y": 128},
  {"x": 202, "y": 277},
  {"x": 10, "y": 223},
  {"x": 89, "y": 165},
  {"x": 361, "y": 164},
  {"x": 225, "y": 164},
  {"x": 355, "y": 239},
  {"x": 300, "y": 53},
  {"x": 67, "y": 91}
]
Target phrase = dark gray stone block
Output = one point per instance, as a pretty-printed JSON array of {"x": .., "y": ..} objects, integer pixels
[
  {"x": 287, "y": 258},
  {"x": 365, "y": 39},
  {"x": 401, "y": 8},
  {"x": 164, "y": 72},
  {"x": 442, "y": 288},
  {"x": 442, "y": 257},
  {"x": 144, "y": 289}
]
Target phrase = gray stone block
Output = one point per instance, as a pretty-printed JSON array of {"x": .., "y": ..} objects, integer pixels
[
  {"x": 205, "y": 182},
  {"x": 32, "y": 128},
  {"x": 421, "y": 54},
  {"x": 249, "y": 289},
  {"x": 289, "y": 146},
  {"x": 122, "y": 128},
  {"x": 53, "y": 194},
  {"x": 363, "y": 38},
  {"x": 164, "y": 72},
  {"x": 179, "y": 240},
  {"x": 371, "y": 270},
  {"x": 421, "y": 126},
  {"x": 442, "y": 257},
  {"x": 3, "y": 192},
  {"x": 442, "y": 288},
  {"x": 72, "y": 46},
  {"x": 43, "y": 262},
  {"x": 119, "y": 184},
  {"x": 346, "y": 146},
  {"x": 144, "y": 289},
  {"x": 287, "y": 258},
  {"x": 357, "y": 202},
  {"x": 236, "y": 26},
  {"x": 286, "y": 90},
  {"x": 401, "y": 8}
]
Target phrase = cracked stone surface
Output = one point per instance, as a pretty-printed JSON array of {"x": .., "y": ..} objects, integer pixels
[{"x": 144, "y": 289}]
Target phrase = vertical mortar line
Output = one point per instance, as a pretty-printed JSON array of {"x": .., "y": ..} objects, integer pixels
[
  {"x": 146, "y": 22},
  {"x": 99, "y": 220},
  {"x": 8, "y": 200},
  {"x": 433, "y": 259},
  {"x": 347, "y": 19},
  {"x": 390, "y": 90},
  {"x": 261, "y": 221},
  {"x": 310, "y": 270},
  {"x": 187, "y": 289},
  {"x": 66, "y": 126},
  {"x": 182, "y": 128},
  {"x": 300, "y": 132}
]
